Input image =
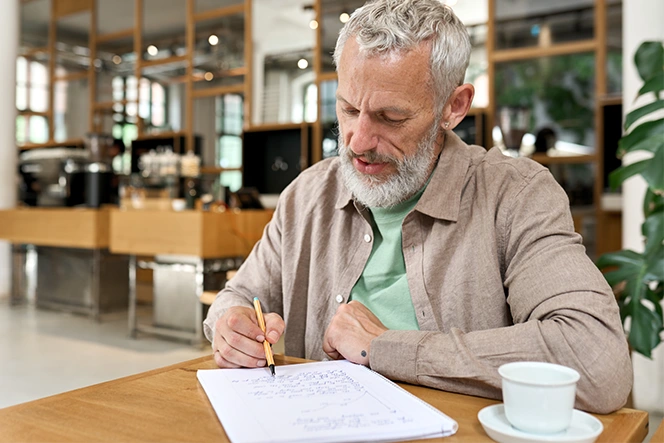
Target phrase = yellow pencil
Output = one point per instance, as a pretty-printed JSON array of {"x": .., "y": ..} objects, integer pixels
[{"x": 266, "y": 344}]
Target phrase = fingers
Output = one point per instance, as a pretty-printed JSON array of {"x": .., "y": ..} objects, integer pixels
[
  {"x": 274, "y": 325},
  {"x": 238, "y": 339},
  {"x": 328, "y": 347}
]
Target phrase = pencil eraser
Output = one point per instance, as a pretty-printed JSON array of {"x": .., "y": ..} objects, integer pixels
[{"x": 255, "y": 298}]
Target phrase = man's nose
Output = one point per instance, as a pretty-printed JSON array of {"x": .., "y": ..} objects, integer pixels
[{"x": 364, "y": 136}]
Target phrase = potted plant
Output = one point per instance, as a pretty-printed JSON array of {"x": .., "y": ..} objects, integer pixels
[{"x": 640, "y": 275}]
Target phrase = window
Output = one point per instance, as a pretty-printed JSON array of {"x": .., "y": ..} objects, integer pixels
[
  {"x": 31, "y": 101},
  {"x": 230, "y": 116}
]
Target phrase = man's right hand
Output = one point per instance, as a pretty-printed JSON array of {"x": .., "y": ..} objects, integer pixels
[{"x": 238, "y": 341}]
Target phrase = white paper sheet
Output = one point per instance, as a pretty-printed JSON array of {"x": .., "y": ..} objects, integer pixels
[{"x": 332, "y": 401}]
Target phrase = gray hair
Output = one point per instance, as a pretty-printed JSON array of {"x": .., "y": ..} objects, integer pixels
[{"x": 385, "y": 26}]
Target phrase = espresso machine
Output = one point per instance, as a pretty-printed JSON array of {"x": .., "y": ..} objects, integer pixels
[
  {"x": 63, "y": 177},
  {"x": 49, "y": 177}
]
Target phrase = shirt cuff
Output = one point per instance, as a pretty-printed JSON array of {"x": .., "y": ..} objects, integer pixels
[{"x": 394, "y": 354}]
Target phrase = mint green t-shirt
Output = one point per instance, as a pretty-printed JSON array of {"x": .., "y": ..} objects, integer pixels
[{"x": 383, "y": 286}]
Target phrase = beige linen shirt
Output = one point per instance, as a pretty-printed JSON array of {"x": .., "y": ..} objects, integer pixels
[{"x": 495, "y": 270}]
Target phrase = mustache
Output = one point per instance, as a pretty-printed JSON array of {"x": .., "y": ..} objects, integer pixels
[{"x": 369, "y": 156}]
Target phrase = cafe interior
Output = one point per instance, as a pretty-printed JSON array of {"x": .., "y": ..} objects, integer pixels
[{"x": 149, "y": 141}]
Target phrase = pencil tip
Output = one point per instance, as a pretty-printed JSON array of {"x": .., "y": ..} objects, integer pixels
[{"x": 272, "y": 370}]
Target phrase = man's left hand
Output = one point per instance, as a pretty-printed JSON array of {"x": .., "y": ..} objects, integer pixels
[{"x": 350, "y": 333}]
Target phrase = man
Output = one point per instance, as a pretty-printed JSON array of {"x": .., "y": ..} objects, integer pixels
[{"x": 428, "y": 260}]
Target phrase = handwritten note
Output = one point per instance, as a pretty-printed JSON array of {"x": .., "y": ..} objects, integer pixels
[{"x": 318, "y": 402}]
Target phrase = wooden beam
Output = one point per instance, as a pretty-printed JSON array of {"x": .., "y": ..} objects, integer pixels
[
  {"x": 327, "y": 76},
  {"x": 28, "y": 113},
  {"x": 118, "y": 35},
  {"x": 600, "y": 91},
  {"x": 508, "y": 55},
  {"x": 138, "y": 50},
  {"x": 218, "y": 90},
  {"x": 189, "y": 100},
  {"x": 72, "y": 76},
  {"x": 491, "y": 71},
  {"x": 63, "y": 8},
  {"x": 92, "y": 72},
  {"x": 317, "y": 130},
  {"x": 51, "y": 70},
  {"x": 32, "y": 52},
  {"x": 165, "y": 61},
  {"x": 219, "y": 12},
  {"x": 248, "y": 63}
]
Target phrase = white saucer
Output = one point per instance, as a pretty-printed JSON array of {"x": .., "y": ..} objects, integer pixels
[{"x": 584, "y": 428}]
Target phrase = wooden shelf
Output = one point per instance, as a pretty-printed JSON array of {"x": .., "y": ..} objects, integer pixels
[
  {"x": 217, "y": 170},
  {"x": 563, "y": 159},
  {"x": 109, "y": 104},
  {"x": 53, "y": 144},
  {"x": 71, "y": 77},
  {"x": 166, "y": 134},
  {"x": 507, "y": 55}
]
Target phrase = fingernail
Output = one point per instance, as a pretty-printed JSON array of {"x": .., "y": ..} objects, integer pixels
[
  {"x": 260, "y": 338},
  {"x": 273, "y": 335},
  {"x": 260, "y": 363}
]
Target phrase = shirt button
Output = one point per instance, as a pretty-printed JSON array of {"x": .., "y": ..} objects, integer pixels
[
  {"x": 367, "y": 238},
  {"x": 339, "y": 298}
]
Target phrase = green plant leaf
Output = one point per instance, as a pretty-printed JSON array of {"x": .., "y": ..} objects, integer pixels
[
  {"x": 643, "y": 111},
  {"x": 653, "y": 173},
  {"x": 645, "y": 137},
  {"x": 655, "y": 265},
  {"x": 620, "y": 258},
  {"x": 649, "y": 59},
  {"x": 653, "y": 230},
  {"x": 621, "y": 274},
  {"x": 645, "y": 328},
  {"x": 624, "y": 172},
  {"x": 653, "y": 84},
  {"x": 656, "y": 298},
  {"x": 652, "y": 203}
]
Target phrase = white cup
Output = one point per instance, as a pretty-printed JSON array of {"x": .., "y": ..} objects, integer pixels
[{"x": 538, "y": 397}]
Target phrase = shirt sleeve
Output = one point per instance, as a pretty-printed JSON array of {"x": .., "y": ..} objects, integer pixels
[
  {"x": 563, "y": 312},
  {"x": 259, "y": 276}
]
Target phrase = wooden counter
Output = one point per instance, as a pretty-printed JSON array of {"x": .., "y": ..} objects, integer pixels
[
  {"x": 62, "y": 227},
  {"x": 201, "y": 234}
]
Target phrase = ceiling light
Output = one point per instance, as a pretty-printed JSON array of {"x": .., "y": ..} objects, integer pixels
[
  {"x": 117, "y": 59},
  {"x": 313, "y": 24},
  {"x": 152, "y": 50},
  {"x": 208, "y": 76},
  {"x": 302, "y": 63},
  {"x": 344, "y": 17},
  {"x": 213, "y": 40}
]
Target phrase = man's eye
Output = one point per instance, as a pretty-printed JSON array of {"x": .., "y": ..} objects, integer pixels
[
  {"x": 350, "y": 111},
  {"x": 393, "y": 121}
]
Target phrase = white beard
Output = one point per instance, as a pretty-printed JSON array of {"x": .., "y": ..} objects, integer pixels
[{"x": 384, "y": 192}]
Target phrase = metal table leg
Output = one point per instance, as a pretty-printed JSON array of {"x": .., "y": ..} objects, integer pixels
[{"x": 132, "y": 296}]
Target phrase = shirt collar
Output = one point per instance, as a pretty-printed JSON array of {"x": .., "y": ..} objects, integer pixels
[{"x": 442, "y": 196}]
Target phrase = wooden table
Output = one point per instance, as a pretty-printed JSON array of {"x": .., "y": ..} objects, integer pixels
[{"x": 168, "y": 404}]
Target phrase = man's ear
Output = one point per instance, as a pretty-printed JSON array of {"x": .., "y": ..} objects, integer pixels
[{"x": 457, "y": 106}]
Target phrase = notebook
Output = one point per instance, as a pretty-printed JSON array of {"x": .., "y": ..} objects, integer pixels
[{"x": 330, "y": 401}]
